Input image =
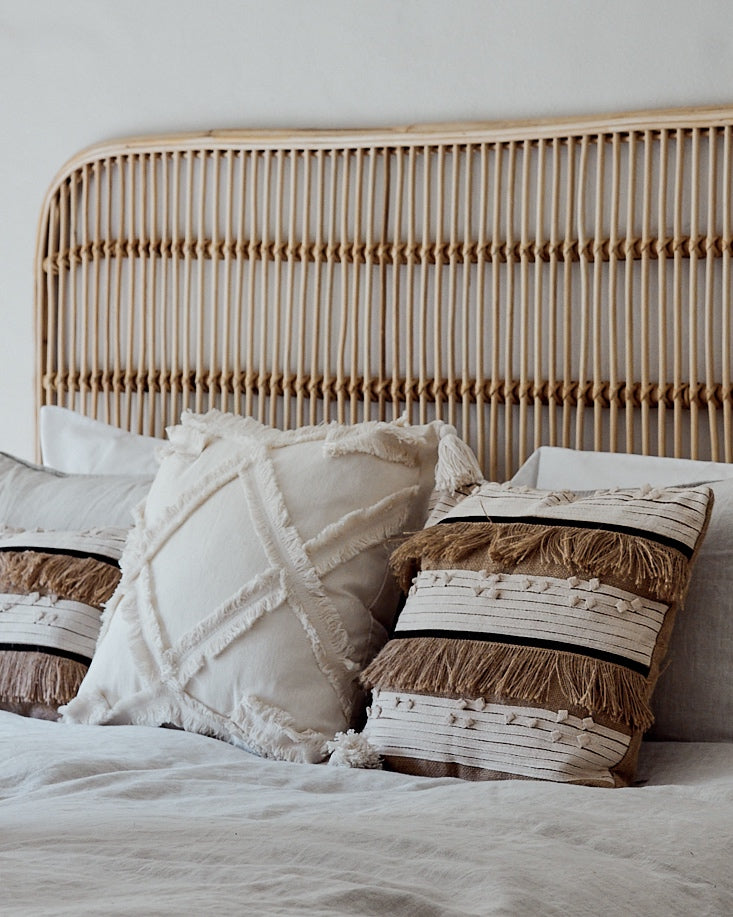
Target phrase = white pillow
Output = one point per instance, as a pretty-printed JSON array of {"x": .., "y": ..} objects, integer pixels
[
  {"x": 554, "y": 468},
  {"x": 693, "y": 700},
  {"x": 255, "y": 585},
  {"x": 35, "y": 497},
  {"x": 76, "y": 444}
]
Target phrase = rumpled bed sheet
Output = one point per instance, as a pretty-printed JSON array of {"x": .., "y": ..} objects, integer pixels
[{"x": 136, "y": 821}]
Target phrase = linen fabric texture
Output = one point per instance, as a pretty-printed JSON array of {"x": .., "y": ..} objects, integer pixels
[
  {"x": 558, "y": 468},
  {"x": 693, "y": 701},
  {"x": 76, "y": 444},
  {"x": 255, "y": 584},
  {"x": 32, "y": 496},
  {"x": 53, "y": 586},
  {"x": 143, "y": 821},
  {"x": 533, "y": 633}
]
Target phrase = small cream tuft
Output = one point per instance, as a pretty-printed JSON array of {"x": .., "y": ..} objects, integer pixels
[{"x": 352, "y": 749}]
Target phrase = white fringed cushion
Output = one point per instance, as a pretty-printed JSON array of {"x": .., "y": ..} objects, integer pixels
[
  {"x": 533, "y": 634},
  {"x": 255, "y": 583}
]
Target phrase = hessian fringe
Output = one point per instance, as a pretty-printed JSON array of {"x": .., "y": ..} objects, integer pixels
[
  {"x": 470, "y": 668},
  {"x": 658, "y": 569}
]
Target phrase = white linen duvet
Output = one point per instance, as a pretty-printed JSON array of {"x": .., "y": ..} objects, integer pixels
[{"x": 135, "y": 820}]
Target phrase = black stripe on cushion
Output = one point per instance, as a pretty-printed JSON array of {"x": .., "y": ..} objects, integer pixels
[
  {"x": 47, "y": 650},
  {"x": 511, "y": 640},
  {"x": 81, "y": 555}
]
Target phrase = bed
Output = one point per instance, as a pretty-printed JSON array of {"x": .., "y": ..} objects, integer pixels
[{"x": 556, "y": 295}]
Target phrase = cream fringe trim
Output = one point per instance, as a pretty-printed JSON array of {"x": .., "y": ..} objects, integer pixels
[
  {"x": 196, "y": 431},
  {"x": 397, "y": 442},
  {"x": 473, "y": 668},
  {"x": 227, "y": 623},
  {"x": 388, "y": 445},
  {"x": 360, "y": 530},
  {"x": 254, "y": 725},
  {"x": 283, "y": 546}
]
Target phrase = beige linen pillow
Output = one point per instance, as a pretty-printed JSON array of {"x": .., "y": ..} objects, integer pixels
[
  {"x": 34, "y": 496},
  {"x": 693, "y": 701}
]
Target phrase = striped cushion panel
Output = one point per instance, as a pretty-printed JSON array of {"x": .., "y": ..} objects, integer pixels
[
  {"x": 52, "y": 589},
  {"x": 533, "y": 632}
]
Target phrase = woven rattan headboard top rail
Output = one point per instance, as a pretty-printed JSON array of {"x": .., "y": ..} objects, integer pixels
[{"x": 562, "y": 282}]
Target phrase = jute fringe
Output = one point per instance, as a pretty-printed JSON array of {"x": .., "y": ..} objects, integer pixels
[
  {"x": 39, "y": 678},
  {"x": 81, "y": 579},
  {"x": 471, "y": 668},
  {"x": 660, "y": 570}
]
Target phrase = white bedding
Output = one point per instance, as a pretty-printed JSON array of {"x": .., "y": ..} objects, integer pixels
[{"x": 134, "y": 820}]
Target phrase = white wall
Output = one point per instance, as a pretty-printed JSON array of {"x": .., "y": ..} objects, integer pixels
[{"x": 73, "y": 72}]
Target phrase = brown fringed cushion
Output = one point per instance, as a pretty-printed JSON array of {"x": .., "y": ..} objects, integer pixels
[
  {"x": 52, "y": 589},
  {"x": 533, "y": 633}
]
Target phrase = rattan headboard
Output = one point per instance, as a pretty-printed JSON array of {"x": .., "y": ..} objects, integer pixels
[{"x": 563, "y": 282}]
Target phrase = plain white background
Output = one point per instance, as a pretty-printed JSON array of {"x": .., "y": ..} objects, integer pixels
[{"x": 73, "y": 72}]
